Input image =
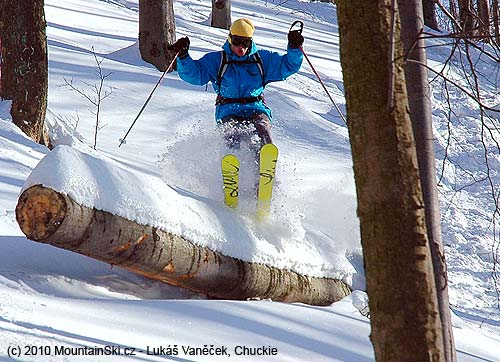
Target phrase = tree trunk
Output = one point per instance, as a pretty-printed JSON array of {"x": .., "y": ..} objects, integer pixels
[
  {"x": 221, "y": 14},
  {"x": 453, "y": 9},
  {"x": 483, "y": 13},
  {"x": 429, "y": 8},
  {"x": 467, "y": 17},
  {"x": 496, "y": 24},
  {"x": 399, "y": 276},
  {"x": 50, "y": 217},
  {"x": 25, "y": 65},
  {"x": 156, "y": 31},
  {"x": 417, "y": 86}
]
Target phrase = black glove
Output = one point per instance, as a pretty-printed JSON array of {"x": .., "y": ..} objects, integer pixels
[
  {"x": 181, "y": 46},
  {"x": 295, "y": 39}
]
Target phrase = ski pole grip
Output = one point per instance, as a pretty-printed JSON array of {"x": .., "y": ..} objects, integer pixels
[{"x": 300, "y": 24}]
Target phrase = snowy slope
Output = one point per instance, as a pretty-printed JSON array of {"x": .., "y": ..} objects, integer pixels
[
  {"x": 189, "y": 185},
  {"x": 167, "y": 173}
]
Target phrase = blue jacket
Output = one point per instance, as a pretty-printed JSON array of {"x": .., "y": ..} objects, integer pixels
[{"x": 240, "y": 80}]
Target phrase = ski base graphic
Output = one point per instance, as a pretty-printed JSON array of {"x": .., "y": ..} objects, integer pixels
[
  {"x": 230, "y": 171},
  {"x": 267, "y": 172}
]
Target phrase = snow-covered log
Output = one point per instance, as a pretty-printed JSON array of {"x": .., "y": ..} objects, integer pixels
[{"x": 47, "y": 216}]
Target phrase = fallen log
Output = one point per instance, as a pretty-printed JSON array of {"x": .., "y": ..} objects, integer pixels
[{"x": 50, "y": 217}]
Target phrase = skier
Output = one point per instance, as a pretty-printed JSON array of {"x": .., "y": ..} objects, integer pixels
[{"x": 239, "y": 74}]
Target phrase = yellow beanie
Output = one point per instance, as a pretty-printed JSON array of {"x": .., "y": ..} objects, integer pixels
[{"x": 242, "y": 27}]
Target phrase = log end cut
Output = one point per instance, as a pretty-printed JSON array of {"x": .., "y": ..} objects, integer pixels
[{"x": 40, "y": 211}]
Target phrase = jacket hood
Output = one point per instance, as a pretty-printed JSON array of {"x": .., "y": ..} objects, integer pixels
[{"x": 231, "y": 55}]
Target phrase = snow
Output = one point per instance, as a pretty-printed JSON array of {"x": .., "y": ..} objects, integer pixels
[{"x": 166, "y": 175}]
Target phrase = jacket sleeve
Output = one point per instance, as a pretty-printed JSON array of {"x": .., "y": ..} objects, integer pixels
[
  {"x": 281, "y": 66},
  {"x": 201, "y": 71}
]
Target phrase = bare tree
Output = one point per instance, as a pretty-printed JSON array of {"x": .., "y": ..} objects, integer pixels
[
  {"x": 453, "y": 8},
  {"x": 496, "y": 25},
  {"x": 464, "y": 75},
  {"x": 24, "y": 65},
  {"x": 95, "y": 96},
  {"x": 429, "y": 8},
  {"x": 483, "y": 13},
  {"x": 399, "y": 275},
  {"x": 419, "y": 100},
  {"x": 221, "y": 14},
  {"x": 467, "y": 17},
  {"x": 156, "y": 31}
]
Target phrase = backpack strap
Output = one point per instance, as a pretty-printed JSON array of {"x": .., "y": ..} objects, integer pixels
[
  {"x": 222, "y": 67},
  {"x": 256, "y": 59}
]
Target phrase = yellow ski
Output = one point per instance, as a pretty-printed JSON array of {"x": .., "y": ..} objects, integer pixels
[
  {"x": 267, "y": 171},
  {"x": 230, "y": 170}
]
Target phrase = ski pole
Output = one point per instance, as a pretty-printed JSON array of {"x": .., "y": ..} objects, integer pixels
[
  {"x": 122, "y": 140},
  {"x": 324, "y": 87},
  {"x": 301, "y": 25}
]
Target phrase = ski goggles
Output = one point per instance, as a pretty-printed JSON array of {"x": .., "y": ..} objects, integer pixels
[{"x": 240, "y": 41}]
